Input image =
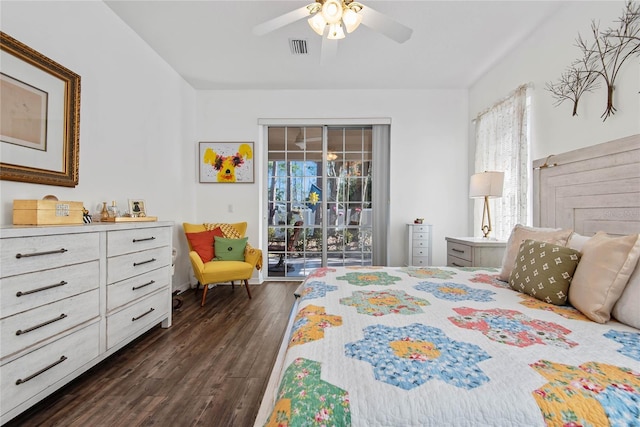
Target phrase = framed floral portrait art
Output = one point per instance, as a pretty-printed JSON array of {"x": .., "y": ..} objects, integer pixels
[{"x": 226, "y": 162}]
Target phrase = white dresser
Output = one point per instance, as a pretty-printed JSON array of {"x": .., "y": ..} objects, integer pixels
[
  {"x": 70, "y": 296},
  {"x": 474, "y": 252},
  {"x": 418, "y": 245}
]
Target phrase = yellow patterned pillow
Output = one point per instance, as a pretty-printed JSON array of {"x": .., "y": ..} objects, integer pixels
[
  {"x": 230, "y": 232},
  {"x": 544, "y": 271}
]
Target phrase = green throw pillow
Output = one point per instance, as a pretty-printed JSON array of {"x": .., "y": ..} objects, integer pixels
[
  {"x": 229, "y": 249},
  {"x": 544, "y": 271}
]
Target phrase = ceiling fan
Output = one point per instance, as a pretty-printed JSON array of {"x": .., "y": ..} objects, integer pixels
[{"x": 331, "y": 17}]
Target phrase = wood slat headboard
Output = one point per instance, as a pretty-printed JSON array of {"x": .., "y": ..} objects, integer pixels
[{"x": 592, "y": 189}]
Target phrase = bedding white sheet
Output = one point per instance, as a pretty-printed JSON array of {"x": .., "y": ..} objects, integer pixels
[{"x": 383, "y": 346}]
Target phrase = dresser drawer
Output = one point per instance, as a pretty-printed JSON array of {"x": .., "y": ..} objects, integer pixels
[
  {"x": 421, "y": 252},
  {"x": 421, "y": 229},
  {"x": 420, "y": 236},
  {"x": 128, "y": 241},
  {"x": 420, "y": 261},
  {"x": 458, "y": 262},
  {"x": 61, "y": 357},
  {"x": 27, "y": 291},
  {"x": 26, "y": 329},
  {"x": 132, "y": 320},
  {"x": 28, "y": 254},
  {"x": 458, "y": 250},
  {"x": 128, "y": 290},
  {"x": 129, "y": 265},
  {"x": 420, "y": 244}
]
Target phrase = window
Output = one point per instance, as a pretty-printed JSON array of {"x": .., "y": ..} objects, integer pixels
[{"x": 502, "y": 144}]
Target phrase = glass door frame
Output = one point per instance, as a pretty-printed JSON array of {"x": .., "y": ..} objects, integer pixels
[{"x": 264, "y": 125}]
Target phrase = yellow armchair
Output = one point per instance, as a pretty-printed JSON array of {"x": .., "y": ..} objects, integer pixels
[{"x": 216, "y": 271}]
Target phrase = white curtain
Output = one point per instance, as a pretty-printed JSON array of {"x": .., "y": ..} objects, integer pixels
[{"x": 502, "y": 145}]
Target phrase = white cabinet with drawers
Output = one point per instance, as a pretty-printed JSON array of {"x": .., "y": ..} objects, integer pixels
[
  {"x": 70, "y": 296},
  {"x": 474, "y": 252},
  {"x": 138, "y": 265},
  {"x": 418, "y": 245}
]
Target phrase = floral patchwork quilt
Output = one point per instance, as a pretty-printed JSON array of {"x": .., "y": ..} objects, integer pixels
[{"x": 383, "y": 346}]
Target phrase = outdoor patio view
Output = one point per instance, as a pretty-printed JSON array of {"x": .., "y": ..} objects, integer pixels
[{"x": 319, "y": 199}]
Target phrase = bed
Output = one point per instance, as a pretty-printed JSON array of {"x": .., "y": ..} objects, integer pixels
[{"x": 435, "y": 346}]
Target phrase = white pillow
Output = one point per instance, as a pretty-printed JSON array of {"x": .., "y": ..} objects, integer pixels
[
  {"x": 602, "y": 274},
  {"x": 577, "y": 241},
  {"x": 627, "y": 309}
]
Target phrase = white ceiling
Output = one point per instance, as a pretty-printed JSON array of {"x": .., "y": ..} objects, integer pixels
[{"x": 210, "y": 43}]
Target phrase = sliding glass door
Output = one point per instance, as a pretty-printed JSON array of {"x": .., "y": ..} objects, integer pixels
[{"x": 319, "y": 198}]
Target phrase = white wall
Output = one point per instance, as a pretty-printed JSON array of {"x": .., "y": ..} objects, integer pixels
[
  {"x": 428, "y": 153},
  {"x": 136, "y": 112},
  {"x": 541, "y": 58},
  {"x": 140, "y": 122}
]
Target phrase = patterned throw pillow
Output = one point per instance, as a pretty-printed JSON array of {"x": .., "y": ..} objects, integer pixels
[
  {"x": 544, "y": 271},
  {"x": 519, "y": 234}
]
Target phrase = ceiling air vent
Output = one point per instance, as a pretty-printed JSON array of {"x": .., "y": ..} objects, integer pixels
[{"x": 298, "y": 46}]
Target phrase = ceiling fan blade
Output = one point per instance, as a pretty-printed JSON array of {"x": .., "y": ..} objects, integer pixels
[
  {"x": 328, "y": 50},
  {"x": 281, "y": 21},
  {"x": 385, "y": 25}
]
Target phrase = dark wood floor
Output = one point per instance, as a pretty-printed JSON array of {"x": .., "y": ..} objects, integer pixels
[{"x": 209, "y": 369}]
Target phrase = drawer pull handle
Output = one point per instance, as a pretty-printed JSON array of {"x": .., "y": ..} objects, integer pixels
[
  {"x": 33, "y": 328},
  {"x": 133, "y": 319},
  {"x": 135, "y": 288},
  {"x": 456, "y": 265},
  {"x": 457, "y": 250},
  {"x": 143, "y": 240},
  {"x": 135, "y": 264},
  {"x": 59, "y": 251},
  {"x": 41, "y": 371},
  {"x": 44, "y": 288}
]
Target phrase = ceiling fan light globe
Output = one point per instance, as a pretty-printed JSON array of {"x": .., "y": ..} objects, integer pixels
[
  {"x": 351, "y": 20},
  {"x": 317, "y": 23},
  {"x": 335, "y": 32},
  {"x": 332, "y": 11}
]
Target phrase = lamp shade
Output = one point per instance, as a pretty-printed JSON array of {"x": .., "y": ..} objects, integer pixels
[
  {"x": 332, "y": 11},
  {"x": 351, "y": 20},
  {"x": 486, "y": 184},
  {"x": 318, "y": 23}
]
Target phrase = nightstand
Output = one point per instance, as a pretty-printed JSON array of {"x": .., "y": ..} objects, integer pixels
[
  {"x": 418, "y": 245},
  {"x": 474, "y": 252}
]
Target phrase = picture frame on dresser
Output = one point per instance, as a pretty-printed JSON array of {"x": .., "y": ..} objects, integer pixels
[
  {"x": 137, "y": 208},
  {"x": 44, "y": 147}
]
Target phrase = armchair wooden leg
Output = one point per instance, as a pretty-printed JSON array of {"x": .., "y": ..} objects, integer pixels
[
  {"x": 246, "y": 285},
  {"x": 204, "y": 294}
]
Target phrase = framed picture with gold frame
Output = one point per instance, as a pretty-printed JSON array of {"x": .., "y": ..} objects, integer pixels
[
  {"x": 39, "y": 117},
  {"x": 137, "y": 208}
]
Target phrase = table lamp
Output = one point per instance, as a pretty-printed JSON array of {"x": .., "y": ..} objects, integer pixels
[{"x": 487, "y": 185}]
